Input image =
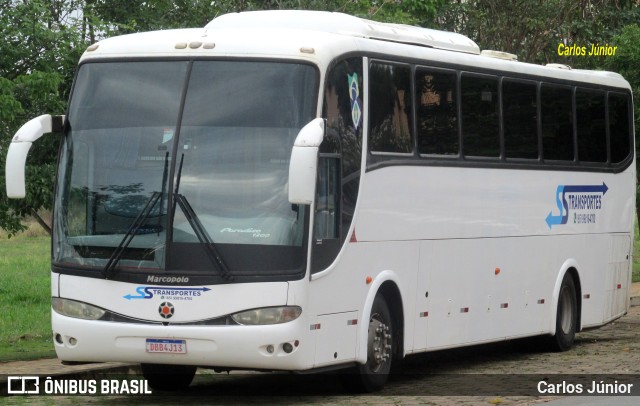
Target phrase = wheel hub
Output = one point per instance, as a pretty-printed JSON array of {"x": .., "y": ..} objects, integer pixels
[
  {"x": 379, "y": 348},
  {"x": 567, "y": 310}
]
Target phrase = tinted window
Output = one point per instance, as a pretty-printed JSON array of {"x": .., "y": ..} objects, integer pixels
[
  {"x": 343, "y": 109},
  {"x": 480, "y": 130},
  {"x": 235, "y": 154},
  {"x": 117, "y": 95},
  {"x": 590, "y": 120},
  {"x": 390, "y": 115},
  {"x": 257, "y": 94},
  {"x": 619, "y": 126},
  {"x": 519, "y": 109},
  {"x": 436, "y": 113},
  {"x": 327, "y": 216},
  {"x": 239, "y": 123},
  {"x": 557, "y": 122}
]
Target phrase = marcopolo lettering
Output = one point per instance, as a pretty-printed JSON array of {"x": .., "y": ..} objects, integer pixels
[{"x": 167, "y": 279}]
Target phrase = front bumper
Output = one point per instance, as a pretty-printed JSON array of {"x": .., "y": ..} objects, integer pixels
[{"x": 245, "y": 347}]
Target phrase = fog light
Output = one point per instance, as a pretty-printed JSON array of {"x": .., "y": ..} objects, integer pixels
[
  {"x": 270, "y": 349},
  {"x": 73, "y": 341},
  {"x": 287, "y": 347}
]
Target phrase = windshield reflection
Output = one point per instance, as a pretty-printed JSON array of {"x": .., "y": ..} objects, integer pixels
[{"x": 239, "y": 121}]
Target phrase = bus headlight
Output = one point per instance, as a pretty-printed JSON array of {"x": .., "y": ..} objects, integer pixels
[
  {"x": 79, "y": 310},
  {"x": 267, "y": 315}
]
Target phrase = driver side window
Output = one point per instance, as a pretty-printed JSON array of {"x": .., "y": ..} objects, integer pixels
[
  {"x": 339, "y": 161},
  {"x": 326, "y": 225}
]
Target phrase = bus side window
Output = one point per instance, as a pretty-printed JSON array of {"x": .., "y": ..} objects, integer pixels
[
  {"x": 437, "y": 112},
  {"x": 592, "y": 129},
  {"x": 339, "y": 161},
  {"x": 480, "y": 128},
  {"x": 619, "y": 127},
  {"x": 391, "y": 105},
  {"x": 326, "y": 223},
  {"x": 343, "y": 110},
  {"x": 557, "y": 122},
  {"x": 327, "y": 212},
  {"x": 519, "y": 113}
]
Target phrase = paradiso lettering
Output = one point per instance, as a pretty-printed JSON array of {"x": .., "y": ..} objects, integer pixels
[
  {"x": 577, "y": 204},
  {"x": 148, "y": 292}
]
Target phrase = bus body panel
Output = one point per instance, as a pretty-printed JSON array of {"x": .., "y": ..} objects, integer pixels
[
  {"x": 458, "y": 202},
  {"x": 490, "y": 269},
  {"x": 346, "y": 281}
]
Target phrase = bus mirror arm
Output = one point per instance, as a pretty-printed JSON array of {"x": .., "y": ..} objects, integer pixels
[
  {"x": 19, "y": 149},
  {"x": 304, "y": 162}
]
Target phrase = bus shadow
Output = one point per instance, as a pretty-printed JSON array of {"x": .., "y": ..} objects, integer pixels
[
  {"x": 433, "y": 369},
  {"x": 481, "y": 369}
]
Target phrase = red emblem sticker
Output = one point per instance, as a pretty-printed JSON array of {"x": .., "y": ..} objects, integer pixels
[{"x": 166, "y": 310}]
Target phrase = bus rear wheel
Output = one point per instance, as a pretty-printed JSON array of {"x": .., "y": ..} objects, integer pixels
[
  {"x": 168, "y": 377},
  {"x": 566, "y": 316},
  {"x": 372, "y": 375}
]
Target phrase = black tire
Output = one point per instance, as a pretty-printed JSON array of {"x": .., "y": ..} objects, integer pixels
[
  {"x": 168, "y": 377},
  {"x": 566, "y": 316},
  {"x": 381, "y": 346}
]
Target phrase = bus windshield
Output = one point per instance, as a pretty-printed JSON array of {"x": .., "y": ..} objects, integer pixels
[{"x": 215, "y": 134}]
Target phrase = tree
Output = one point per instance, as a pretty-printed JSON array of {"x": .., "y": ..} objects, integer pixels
[
  {"x": 118, "y": 17},
  {"x": 533, "y": 29},
  {"x": 520, "y": 27},
  {"x": 39, "y": 50},
  {"x": 626, "y": 62}
]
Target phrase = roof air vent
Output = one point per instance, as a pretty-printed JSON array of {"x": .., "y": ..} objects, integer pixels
[
  {"x": 499, "y": 54},
  {"x": 558, "y": 66}
]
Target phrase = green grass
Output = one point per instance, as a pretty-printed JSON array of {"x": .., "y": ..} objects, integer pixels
[{"x": 25, "y": 298}]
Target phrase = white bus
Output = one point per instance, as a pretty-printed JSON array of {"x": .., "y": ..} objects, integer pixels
[{"x": 290, "y": 190}]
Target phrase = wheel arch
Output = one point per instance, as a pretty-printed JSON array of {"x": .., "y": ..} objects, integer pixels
[
  {"x": 392, "y": 296},
  {"x": 387, "y": 284},
  {"x": 570, "y": 267}
]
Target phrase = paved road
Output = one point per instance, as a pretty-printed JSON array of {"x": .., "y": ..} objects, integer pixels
[{"x": 501, "y": 374}]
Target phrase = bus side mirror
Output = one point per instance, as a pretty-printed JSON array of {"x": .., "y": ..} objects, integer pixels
[
  {"x": 303, "y": 166},
  {"x": 19, "y": 148}
]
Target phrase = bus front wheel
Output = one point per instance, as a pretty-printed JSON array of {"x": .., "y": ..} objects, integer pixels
[
  {"x": 372, "y": 375},
  {"x": 566, "y": 316}
]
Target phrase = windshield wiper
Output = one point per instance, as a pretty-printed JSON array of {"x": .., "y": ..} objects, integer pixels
[
  {"x": 203, "y": 237},
  {"x": 131, "y": 232},
  {"x": 199, "y": 229},
  {"x": 138, "y": 222},
  {"x": 190, "y": 214}
]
